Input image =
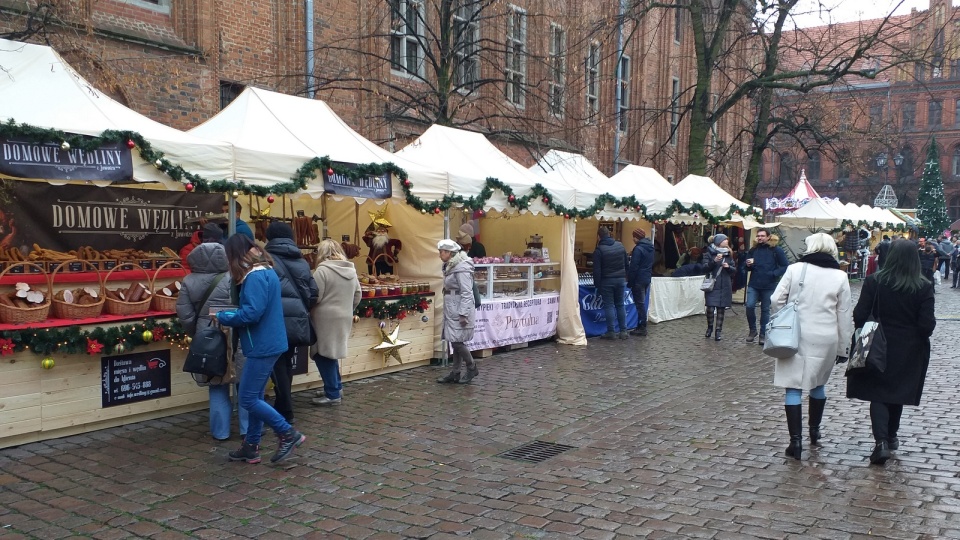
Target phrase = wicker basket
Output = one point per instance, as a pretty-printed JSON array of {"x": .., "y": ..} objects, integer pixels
[
  {"x": 120, "y": 307},
  {"x": 63, "y": 310},
  {"x": 16, "y": 315},
  {"x": 160, "y": 302}
]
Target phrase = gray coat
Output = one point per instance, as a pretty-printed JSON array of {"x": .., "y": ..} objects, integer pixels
[
  {"x": 722, "y": 293},
  {"x": 206, "y": 261},
  {"x": 332, "y": 315},
  {"x": 458, "y": 299}
]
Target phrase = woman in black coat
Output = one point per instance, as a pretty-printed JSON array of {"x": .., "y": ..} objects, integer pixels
[
  {"x": 902, "y": 300},
  {"x": 718, "y": 262}
]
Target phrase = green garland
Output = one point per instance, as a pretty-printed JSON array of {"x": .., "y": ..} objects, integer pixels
[
  {"x": 315, "y": 168},
  {"x": 75, "y": 340},
  {"x": 391, "y": 309}
]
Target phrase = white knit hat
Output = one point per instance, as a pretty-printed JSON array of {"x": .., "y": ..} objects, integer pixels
[{"x": 448, "y": 245}]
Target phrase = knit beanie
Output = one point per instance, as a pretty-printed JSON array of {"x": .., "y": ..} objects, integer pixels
[
  {"x": 279, "y": 229},
  {"x": 211, "y": 232},
  {"x": 718, "y": 239},
  {"x": 639, "y": 234}
]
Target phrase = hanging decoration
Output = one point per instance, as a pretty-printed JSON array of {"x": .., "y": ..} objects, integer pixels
[
  {"x": 390, "y": 345},
  {"x": 47, "y": 363},
  {"x": 382, "y": 309},
  {"x": 76, "y": 340}
]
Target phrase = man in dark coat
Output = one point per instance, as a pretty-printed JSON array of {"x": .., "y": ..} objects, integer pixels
[
  {"x": 610, "y": 276},
  {"x": 766, "y": 265},
  {"x": 298, "y": 293},
  {"x": 639, "y": 275},
  {"x": 881, "y": 250}
]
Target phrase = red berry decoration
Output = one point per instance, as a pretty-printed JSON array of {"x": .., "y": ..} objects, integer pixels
[
  {"x": 189, "y": 187},
  {"x": 511, "y": 198},
  {"x": 330, "y": 171},
  {"x": 130, "y": 143},
  {"x": 546, "y": 200},
  {"x": 566, "y": 216},
  {"x": 270, "y": 199}
]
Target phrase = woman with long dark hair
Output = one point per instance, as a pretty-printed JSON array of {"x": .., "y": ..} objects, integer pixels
[
  {"x": 263, "y": 336},
  {"x": 902, "y": 300},
  {"x": 822, "y": 293}
]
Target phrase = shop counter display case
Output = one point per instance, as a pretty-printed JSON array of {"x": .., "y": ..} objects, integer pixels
[{"x": 505, "y": 281}]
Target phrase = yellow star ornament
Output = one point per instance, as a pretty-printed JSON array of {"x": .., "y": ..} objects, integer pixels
[{"x": 390, "y": 345}]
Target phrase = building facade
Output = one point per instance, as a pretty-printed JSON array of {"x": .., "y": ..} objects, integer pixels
[
  {"x": 882, "y": 128},
  {"x": 533, "y": 74}
]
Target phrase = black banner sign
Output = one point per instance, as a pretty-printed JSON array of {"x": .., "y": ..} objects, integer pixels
[
  {"x": 133, "y": 377},
  {"x": 48, "y": 160},
  {"x": 67, "y": 217},
  {"x": 373, "y": 187}
]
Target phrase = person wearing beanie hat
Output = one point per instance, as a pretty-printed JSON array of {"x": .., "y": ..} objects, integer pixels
[
  {"x": 639, "y": 274},
  {"x": 609, "y": 277},
  {"x": 766, "y": 263},
  {"x": 459, "y": 310},
  {"x": 212, "y": 232},
  {"x": 469, "y": 243},
  {"x": 718, "y": 262},
  {"x": 298, "y": 294}
]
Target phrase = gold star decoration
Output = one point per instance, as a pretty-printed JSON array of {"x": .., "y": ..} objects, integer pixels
[
  {"x": 390, "y": 345},
  {"x": 379, "y": 218}
]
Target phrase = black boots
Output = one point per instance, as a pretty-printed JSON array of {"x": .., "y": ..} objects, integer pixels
[
  {"x": 816, "y": 414},
  {"x": 795, "y": 426},
  {"x": 451, "y": 378},
  {"x": 720, "y": 313},
  {"x": 709, "y": 322},
  {"x": 881, "y": 453}
]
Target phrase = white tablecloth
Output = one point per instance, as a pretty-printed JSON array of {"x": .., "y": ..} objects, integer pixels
[{"x": 675, "y": 298}]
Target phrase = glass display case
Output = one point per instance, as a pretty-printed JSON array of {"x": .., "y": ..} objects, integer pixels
[{"x": 517, "y": 280}]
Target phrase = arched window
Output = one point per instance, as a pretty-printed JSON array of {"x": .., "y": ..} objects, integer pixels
[
  {"x": 954, "y": 209},
  {"x": 813, "y": 166},
  {"x": 908, "y": 166},
  {"x": 788, "y": 168},
  {"x": 955, "y": 162}
]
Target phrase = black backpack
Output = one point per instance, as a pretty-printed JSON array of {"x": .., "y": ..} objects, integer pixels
[{"x": 207, "y": 356}]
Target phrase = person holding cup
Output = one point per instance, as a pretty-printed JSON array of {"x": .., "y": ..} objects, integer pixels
[{"x": 766, "y": 265}]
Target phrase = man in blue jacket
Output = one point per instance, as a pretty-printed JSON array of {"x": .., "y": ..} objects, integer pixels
[
  {"x": 766, "y": 265},
  {"x": 638, "y": 277},
  {"x": 609, "y": 276}
]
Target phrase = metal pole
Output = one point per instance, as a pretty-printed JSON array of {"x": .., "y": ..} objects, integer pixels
[
  {"x": 621, "y": 9},
  {"x": 232, "y": 216},
  {"x": 308, "y": 20}
]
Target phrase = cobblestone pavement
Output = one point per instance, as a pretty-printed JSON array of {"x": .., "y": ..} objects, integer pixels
[{"x": 674, "y": 436}]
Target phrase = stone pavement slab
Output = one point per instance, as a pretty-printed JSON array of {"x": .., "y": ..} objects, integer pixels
[{"x": 674, "y": 436}]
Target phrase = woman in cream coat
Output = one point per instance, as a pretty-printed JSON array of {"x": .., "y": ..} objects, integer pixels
[
  {"x": 826, "y": 324},
  {"x": 332, "y": 316}
]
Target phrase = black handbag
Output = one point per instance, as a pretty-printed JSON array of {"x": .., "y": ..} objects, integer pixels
[
  {"x": 207, "y": 356},
  {"x": 869, "y": 350}
]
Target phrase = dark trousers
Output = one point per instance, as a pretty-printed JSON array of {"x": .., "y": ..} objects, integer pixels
[
  {"x": 329, "y": 369},
  {"x": 282, "y": 377},
  {"x": 611, "y": 293},
  {"x": 885, "y": 420},
  {"x": 956, "y": 282},
  {"x": 639, "y": 293}
]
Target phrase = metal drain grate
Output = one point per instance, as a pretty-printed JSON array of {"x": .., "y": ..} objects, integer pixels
[{"x": 535, "y": 452}]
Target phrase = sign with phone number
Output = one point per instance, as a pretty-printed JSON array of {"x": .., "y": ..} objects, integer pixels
[{"x": 133, "y": 377}]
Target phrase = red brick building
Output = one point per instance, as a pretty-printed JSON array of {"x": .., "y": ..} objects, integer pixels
[
  {"x": 883, "y": 127},
  {"x": 181, "y": 61}
]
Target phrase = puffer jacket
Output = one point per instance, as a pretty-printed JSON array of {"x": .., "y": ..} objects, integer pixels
[
  {"x": 609, "y": 261},
  {"x": 722, "y": 293},
  {"x": 296, "y": 285},
  {"x": 641, "y": 264},
  {"x": 458, "y": 299}
]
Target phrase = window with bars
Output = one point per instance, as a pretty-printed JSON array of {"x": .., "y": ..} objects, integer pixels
[
  {"x": 558, "y": 69},
  {"x": 229, "y": 92},
  {"x": 955, "y": 162},
  {"x": 674, "y": 111},
  {"x": 623, "y": 84},
  {"x": 592, "y": 72},
  {"x": 406, "y": 35},
  {"x": 934, "y": 114},
  {"x": 516, "y": 65},
  {"x": 908, "y": 116},
  {"x": 844, "y": 123},
  {"x": 466, "y": 22}
]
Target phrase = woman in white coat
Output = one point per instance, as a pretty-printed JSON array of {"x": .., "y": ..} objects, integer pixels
[
  {"x": 459, "y": 310},
  {"x": 826, "y": 325}
]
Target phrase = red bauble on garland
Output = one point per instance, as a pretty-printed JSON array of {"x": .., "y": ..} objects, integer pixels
[
  {"x": 130, "y": 143},
  {"x": 330, "y": 171},
  {"x": 188, "y": 187},
  {"x": 270, "y": 199}
]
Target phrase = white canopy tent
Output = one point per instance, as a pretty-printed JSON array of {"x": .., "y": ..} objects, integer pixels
[
  {"x": 274, "y": 134},
  {"x": 39, "y": 88},
  {"x": 816, "y": 214},
  {"x": 649, "y": 187},
  {"x": 705, "y": 192}
]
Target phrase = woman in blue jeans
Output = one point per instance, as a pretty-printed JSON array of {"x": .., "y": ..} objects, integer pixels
[{"x": 263, "y": 336}]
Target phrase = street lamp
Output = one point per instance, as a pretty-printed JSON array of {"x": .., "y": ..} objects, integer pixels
[{"x": 887, "y": 197}]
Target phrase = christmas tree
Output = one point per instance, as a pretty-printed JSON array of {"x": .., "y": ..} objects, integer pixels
[{"x": 931, "y": 205}]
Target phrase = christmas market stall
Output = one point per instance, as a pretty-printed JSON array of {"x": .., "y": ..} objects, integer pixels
[
  {"x": 92, "y": 213},
  {"x": 353, "y": 194},
  {"x": 526, "y": 274}
]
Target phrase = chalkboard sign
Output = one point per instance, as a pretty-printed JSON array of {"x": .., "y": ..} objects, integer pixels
[
  {"x": 133, "y": 377},
  {"x": 301, "y": 356}
]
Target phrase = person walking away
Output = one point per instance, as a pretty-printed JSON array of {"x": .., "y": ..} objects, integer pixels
[
  {"x": 208, "y": 284},
  {"x": 298, "y": 293},
  {"x": 902, "y": 300},
  {"x": 610, "y": 276},
  {"x": 945, "y": 252},
  {"x": 459, "y": 311},
  {"x": 718, "y": 262},
  {"x": 822, "y": 292},
  {"x": 955, "y": 262},
  {"x": 339, "y": 294},
  {"x": 928, "y": 261},
  {"x": 263, "y": 338},
  {"x": 766, "y": 264},
  {"x": 639, "y": 275},
  {"x": 881, "y": 250}
]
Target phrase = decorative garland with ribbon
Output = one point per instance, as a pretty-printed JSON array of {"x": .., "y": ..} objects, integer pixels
[
  {"x": 76, "y": 340},
  {"x": 316, "y": 166},
  {"x": 392, "y": 309}
]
